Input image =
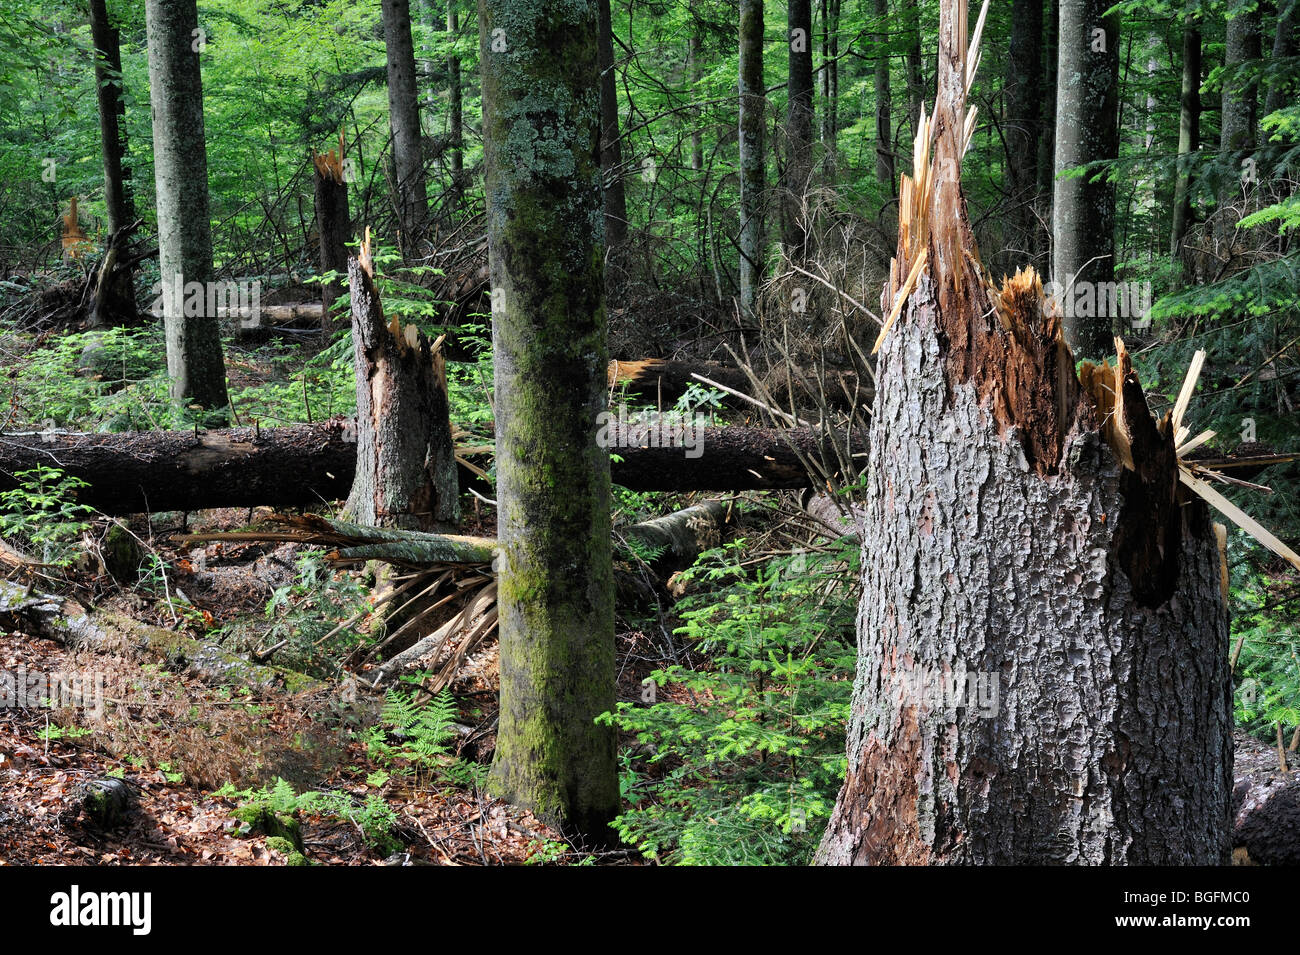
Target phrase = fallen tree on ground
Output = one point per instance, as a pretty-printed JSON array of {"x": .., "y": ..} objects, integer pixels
[{"x": 302, "y": 465}]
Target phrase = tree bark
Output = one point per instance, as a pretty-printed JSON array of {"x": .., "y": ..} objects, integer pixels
[
  {"x": 118, "y": 197},
  {"x": 753, "y": 98},
  {"x": 1083, "y": 209},
  {"x": 194, "y": 359},
  {"x": 1047, "y": 131},
  {"x": 830, "y": 78},
  {"x": 611, "y": 147},
  {"x": 1043, "y": 654},
  {"x": 404, "y": 120},
  {"x": 333, "y": 225},
  {"x": 799, "y": 130},
  {"x": 1189, "y": 130},
  {"x": 455, "y": 104},
  {"x": 541, "y": 134},
  {"x": 1024, "y": 97},
  {"x": 406, "y": 460},
  {"x": 693, "y": 72}
]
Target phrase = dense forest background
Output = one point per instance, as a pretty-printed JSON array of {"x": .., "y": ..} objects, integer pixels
[{"x": 1202, "y": 199}]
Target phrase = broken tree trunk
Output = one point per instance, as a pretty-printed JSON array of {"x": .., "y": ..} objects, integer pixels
[
  {"x": 406, "y": 460},
  {"x": 1043, "y": 661},
  {"x": 333, "y": 225},
  {"x": 302, "y": 465}
]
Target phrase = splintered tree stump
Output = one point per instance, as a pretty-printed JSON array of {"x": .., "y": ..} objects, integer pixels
[
  {"x": 1043, "y": 644},
  {"x": 333, "y": 224},
  {"x": 406, "y": 459}
]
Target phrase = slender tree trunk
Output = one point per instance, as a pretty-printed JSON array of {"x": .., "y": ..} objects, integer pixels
[
  {"x": 194, "y": 359},
  {"x": 112, "y": 113},
  {"x": 753, "y": 177},
  {"x": 1239, "y": 126},
  {"x": 404, "y": 121},
  {"x": 915, "y": 77},
  {"x": 1043, "y": 655},
  {"x": 541, "y": 82},
  {"x": 1083, "y": 210},
  {"x": 455, "y": 103},
  {"x": 333, "y": 225},
  {"x": 693, "y": 71},
  {"x": 1024, "y": 97},
  {"x": 1285, "y": 41},
  {"x": 1189, "y": 130},
  {"x": 1047, "y": 129},
  {"x": 406, "y": 460},
  {"x": 799, "y": 130},
  {"x": 611, "y": 147},
  {"x": 884, "y": 141},
  {"x": 830, "y": 83}
]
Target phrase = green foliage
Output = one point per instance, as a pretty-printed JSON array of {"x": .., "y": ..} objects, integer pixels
[
  {"x": 308, "y": 611},
  {"x": 412, "y": 738},
  {"x": 748, "y": 770},
  {"x": 275, "y": 810},
  {"x": 41, "y": 515},
  {"x": 1268, "y": 668}
]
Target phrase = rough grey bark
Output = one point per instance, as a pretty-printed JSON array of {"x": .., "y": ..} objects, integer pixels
[
  {"x": 752, "y": 164},
  {"x": 1189, "y": 130},
  {"x": 406, "y": 460},
  {"x": 541, "y": 134},
  {"x": 404, "y": 120},
  {"x": 798, "y": 129},
  {"x": 884, "y": 141},
  {"x": 1042, "y": 638},
  {"x": 1239, "y": 121},
  {"x": 1083, "y": 208},
  {"x": 118, "y": 198},
  {"x": 915, "y": 75},
  {"x": 1024, "y": 97},
  {"x": 194, "y": 359},
  {"x": 611, "y": 147}
]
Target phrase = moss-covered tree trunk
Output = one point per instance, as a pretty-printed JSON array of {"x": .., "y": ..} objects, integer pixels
[
  {"x": 1083, "y": 208},
  {"x": 194, "y": 360},
  {"x": 541, "y": 134},
  {"x": 406, "y": 460},
  {"x": 753, "y": 98},
  {"x": 404, "y": 121},
  {"x": 1042, "y": 638}
]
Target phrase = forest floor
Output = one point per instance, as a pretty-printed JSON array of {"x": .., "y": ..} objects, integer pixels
[{"x": 176, "y": 740}]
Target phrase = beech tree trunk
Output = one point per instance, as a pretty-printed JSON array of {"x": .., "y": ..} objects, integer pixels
[
  {"x": 546, "y": 259},
  {"x": 611, "y": 147},
  {"x": 118, "y": 199},
  {"x": 799, "y": 130},
  {"x": 194, "y": 359},
  {"x": 406, "y": 460},
  {"x": 1083, "y": 209},
  {"x": 1043, "y": 655},
  {"x": 404, "y": 120},
  {"x": 753, "y": 97}
]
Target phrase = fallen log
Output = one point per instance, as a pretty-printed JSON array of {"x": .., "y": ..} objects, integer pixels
[
  {"x": 301, "y": 465},
  {"x": 1265, "y": 805},
  {"x": 65, "y": 621},
  {"x": 660, "y": 383}
]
